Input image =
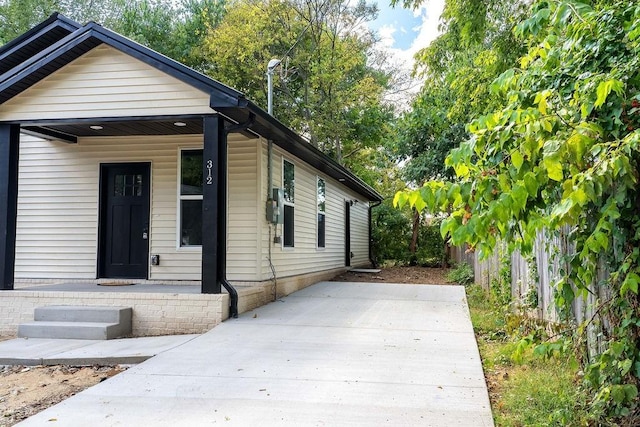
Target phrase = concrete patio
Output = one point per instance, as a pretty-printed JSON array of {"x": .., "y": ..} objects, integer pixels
[{"x": 331, "y": 354}]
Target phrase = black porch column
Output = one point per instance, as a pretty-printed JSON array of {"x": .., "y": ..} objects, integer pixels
[
  {"x": 214, "y": 204},
  {"x": 9, "y": 142}
]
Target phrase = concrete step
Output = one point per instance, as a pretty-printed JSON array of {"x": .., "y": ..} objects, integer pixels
[
  {"x": 78, "y": 322},
  {"x": 72, "y": 313},
  {"x": 72, "y": 330}
]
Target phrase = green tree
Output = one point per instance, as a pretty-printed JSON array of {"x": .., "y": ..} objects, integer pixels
[
  {"x": 17, "y": 16},
  {"x": 177, "y": 30},
  {"x": 326, "y": 89},
  {"x": 563, "y": 151},
  {"x": 475, "y": 47},
  {"x": 174, "y": 29}
]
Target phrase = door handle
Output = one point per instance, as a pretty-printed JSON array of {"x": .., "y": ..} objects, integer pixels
[{"x": 145, "y": 234}]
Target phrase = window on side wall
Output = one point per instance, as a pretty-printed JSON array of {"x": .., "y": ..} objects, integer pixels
[
  {"x": 321, "y": 201},
  {"x": 288, "y": 180},
  {"x": 190, "y": 209}
]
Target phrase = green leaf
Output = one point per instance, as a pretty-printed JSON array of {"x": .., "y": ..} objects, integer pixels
[
  {"x": 579, "y": 197},
  {"x": 400, "y": 199},
  {"x": 618, "y": 394},
  {"x": 625, "y": 366},
  {"x": 577, "y": 144},
  {"x": 517, "y": 159},
  {"x": 562, "y": 208},
  {"x": 630, "y": 284},
  {"x": 461, "y": 170},
  {"x": 502, "y": 83},
  {"x": 531, "y": 183},
  {"x": 605, "y": 88},
  {"x": 519, "y": 194},
  {"x": 554, "y": 168},
  {"x": 631, "y": 392}
]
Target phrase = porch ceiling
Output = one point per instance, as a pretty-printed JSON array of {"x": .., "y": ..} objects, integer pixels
[{"x": 101, "y": 127}]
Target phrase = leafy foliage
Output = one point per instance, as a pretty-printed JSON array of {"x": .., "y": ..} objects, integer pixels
[
  {"x": 476, "y": 46},
  {"x": 563, "y": 151},
  {"x": 462, "y": 274},
  {"x": 391, "y": 233}
]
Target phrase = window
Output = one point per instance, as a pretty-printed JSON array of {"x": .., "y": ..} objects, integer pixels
[
  {"x": 288, "y": 180},
  {"x": 190, "y": 198},
  {"x": 321, "y": 199},
  {"x": 127, "y": 185}
]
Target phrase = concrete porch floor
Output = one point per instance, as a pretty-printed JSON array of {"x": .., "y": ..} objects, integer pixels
[{"x": 332, "y": 354}]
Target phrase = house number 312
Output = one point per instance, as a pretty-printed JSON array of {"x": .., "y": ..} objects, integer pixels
[{"x": 209, "y": 177}]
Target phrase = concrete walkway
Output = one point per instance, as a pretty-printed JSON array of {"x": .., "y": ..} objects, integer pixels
[
  {"x": 332, "y": 354},
  {"x": 42, "y": 351}
]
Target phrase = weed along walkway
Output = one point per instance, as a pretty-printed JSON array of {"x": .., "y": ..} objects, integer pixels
[{"x": 332, "y": 354}]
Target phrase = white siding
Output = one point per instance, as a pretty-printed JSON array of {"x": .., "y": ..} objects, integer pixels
[
  {"x": 360, "y": 233},
  {"x": 305, "y": 257},
  {"x": 105, "y": 83},
  {"x": 58, "y": 206},
  {"x": 244, "y": 215}
]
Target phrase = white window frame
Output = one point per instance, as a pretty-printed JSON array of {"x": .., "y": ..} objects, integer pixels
[
  {"x": 180, "y": 198},
  {"x": 323, "y": 213},
  {"x": 288, "y": 203}
]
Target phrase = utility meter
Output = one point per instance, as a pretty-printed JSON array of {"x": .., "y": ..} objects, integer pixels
[{"x": 274, "y": 206}]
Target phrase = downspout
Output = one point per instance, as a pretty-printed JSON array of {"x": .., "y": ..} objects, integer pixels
[
  {"x": 222, "y": 267},
  {"x": 371, "y": 206}
]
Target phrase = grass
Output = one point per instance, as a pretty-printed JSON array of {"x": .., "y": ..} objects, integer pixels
[{"x": 534, "y": 392}]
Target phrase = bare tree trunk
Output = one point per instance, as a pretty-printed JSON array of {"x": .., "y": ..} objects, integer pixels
[{"x": 414, "y": 236}]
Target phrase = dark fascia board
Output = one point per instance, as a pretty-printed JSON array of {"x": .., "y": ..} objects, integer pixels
[
  {"x": 26, "y": 47},
  {"x": 53, "y": 20},
  {"x": 290, "y": 141},
  {"x": 45, "y": 133},
  {"x": 10, "y": 81}
]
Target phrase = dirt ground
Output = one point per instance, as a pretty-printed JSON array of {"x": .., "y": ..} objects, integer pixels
[
  {"x": 406, "y": 275},
  {"x": 25, "y": 391}
]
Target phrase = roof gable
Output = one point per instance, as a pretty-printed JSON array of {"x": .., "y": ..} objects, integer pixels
[
  {"x": 105, "y": 82},
  {"x": 88, "y": 37}
]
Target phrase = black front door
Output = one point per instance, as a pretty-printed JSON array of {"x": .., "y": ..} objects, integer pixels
[{"x": 124, "y": 220}]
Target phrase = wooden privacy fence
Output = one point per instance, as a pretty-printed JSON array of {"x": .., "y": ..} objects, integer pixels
[{"x": 533, "y": 281}]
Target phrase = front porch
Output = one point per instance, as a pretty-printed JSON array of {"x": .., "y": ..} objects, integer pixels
[{"x": 159, "y": 307}]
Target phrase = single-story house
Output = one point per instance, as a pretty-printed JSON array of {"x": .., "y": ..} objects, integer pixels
[{"x": 117, "y": 162}]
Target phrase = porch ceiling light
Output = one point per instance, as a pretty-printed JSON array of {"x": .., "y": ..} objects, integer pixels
[
  {"x": 341, "y": 179},
  {"x": 96, "y": 127},
  {"x": 179, "y": 124}
]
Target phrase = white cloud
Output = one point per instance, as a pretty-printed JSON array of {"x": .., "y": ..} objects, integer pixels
[
  {"x": 386, "y": 36},
  {"x": 430, "y": 12}
]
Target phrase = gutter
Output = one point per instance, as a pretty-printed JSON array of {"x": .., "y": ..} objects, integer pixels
[
  {"x": 371, "y": 206},
  {"x": 222, "y": 234}
]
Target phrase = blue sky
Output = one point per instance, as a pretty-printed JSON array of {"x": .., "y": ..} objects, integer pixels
[
  {"x": 403, "y": 20},
  {"x": 404, "y": 32}
]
